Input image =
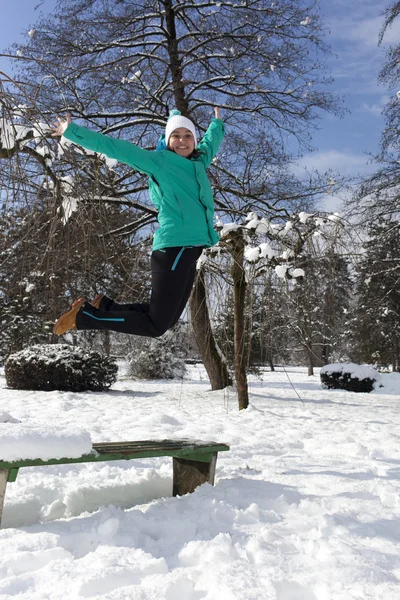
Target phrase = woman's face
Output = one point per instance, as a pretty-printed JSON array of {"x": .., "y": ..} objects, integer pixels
[{"x": 181, "y": 141}]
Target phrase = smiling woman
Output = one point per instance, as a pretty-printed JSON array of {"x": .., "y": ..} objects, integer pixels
[
  {"x": 181, "y": 141},
  {"x": 181, "y": 191}
]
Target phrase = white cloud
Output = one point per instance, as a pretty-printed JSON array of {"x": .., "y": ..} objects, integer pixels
[
  {"x": 346, "y": 163},
  {"x": 358, "y": 30},
  {"x": 354, "y": 35},
  {"x": 376, "y": 108},
  {"x": 371, "y": 109},
  {"x": 335, "y": 203}
]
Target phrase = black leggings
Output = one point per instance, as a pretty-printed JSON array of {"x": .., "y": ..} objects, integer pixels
[{"x": 172, "y": 274}]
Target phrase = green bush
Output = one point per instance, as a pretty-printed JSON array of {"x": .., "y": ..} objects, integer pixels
[
  {"x": 59, "y": 367},
  {"x": 349, "y": 376},
  {"x": 157, "y": 361}
]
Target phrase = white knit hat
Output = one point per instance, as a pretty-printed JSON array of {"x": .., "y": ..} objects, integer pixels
[{"x": 175, "y": 121}]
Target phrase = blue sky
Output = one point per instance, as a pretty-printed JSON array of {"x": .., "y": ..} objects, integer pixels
[{"x": 353, "y": 27}]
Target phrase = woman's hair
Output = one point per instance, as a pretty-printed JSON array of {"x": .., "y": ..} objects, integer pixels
[{"x": 195, "y": 154}]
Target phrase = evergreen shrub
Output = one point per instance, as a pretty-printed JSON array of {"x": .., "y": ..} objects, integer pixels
[
  {"x": 59, "y": 367},
  {"x": 349, "y": 376},
  {"x": 158, "y": 360}
]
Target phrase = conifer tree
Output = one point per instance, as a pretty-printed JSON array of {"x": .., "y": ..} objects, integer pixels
[
  {"x": 375, "y": 324},
  {"x": 317, "y": 307}
]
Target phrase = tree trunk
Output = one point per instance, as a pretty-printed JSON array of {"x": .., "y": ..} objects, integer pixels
[
  {"x": 310, "y": 362},
  {"x": 175, "y": 62},
  {"x": 396, "y": 356},
  {"x": 107, "y": 343},
  {"x": 214, "y": 364},
  {"x": 326, "y": 350},
  {"x": 239, "y": 291}
]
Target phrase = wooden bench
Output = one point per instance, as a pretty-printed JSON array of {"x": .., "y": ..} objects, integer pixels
[{"x": 193, "y": 462}]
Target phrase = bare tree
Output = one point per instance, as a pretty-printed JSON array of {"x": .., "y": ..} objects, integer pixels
[
  {"x": 265, "y": 245},
  {"x": 121, "y": 66}
]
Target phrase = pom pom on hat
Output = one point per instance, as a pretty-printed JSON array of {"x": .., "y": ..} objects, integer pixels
[{"x": 176, "y": 120}]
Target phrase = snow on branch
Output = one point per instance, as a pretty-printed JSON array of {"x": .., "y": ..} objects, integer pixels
[{"x": 269, "y": 244}]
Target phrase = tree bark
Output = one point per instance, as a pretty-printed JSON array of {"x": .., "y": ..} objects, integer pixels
[
  {"x": 214, "y": 364},
  {"x": 310, "y": 362},
  {"x": 239, "y": 292},
  {"x": 107, "y": 343},
  {"x": 175, "y": 62}
]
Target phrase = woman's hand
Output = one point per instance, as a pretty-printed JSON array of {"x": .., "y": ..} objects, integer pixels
[
  {"x": 216, "y": 112},
  {"x": 60, "y": 126}
]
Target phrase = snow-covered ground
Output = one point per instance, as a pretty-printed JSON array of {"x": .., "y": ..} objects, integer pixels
[{"x": 306, "y": 504}]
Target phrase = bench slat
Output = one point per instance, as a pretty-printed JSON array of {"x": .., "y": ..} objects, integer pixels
[
  {"x": 193, "y": 461},
  {"x": 199, "y": 451}
]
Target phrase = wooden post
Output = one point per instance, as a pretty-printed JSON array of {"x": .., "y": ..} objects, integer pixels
[
  {"x": 3, "y": 485},
  {"x": 188, "y": 474}
]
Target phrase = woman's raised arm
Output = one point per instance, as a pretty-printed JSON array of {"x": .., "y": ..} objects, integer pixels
[
  {"x": 145, "y": 161},
  {"x": 60, "y": 125}
]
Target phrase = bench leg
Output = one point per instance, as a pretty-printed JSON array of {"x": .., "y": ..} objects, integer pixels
[
  {"x": 3, "y": 485},
  {"x": 188, "y": 474}
]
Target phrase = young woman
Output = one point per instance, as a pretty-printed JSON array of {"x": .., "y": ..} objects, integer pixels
[{"x": 181, "y": 191}]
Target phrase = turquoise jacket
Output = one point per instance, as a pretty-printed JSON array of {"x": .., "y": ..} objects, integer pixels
[{"x": 178, "y": 186}]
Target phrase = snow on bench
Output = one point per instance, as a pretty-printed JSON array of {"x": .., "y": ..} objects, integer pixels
[{"x": 29, "y": 446}]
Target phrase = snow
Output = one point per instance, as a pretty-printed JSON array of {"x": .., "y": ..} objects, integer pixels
[
  {"x": 359, "y": 371},
  {"x": 253, "y": 224},
  {"x": 280, "y": 270},
  {"x": 69, "y": 205},
  {"x": 305, "y": 505},
  {"x": 21, "y": 130},
  {"x": 6, "y": 418},
  {"x": 27, "y": 440},
  {"x": 251, "y": 216},
  {"x": 287, "y": 254},
  {"x": 40, "y": 129},
  {"x": 67, "y": 183},
  {"x": 110, "y": 162},
  {"x": 252, "y": 254},
  {"x": 227, "y": 227},
  {"x": 263, "y": 226},
  {"x": 7, "y": 139},
  {"x": 297, "y": 273},
  {"x": 288, "y": 227},
  {"x": 303, "y": 217},
  {"x": 267, "y": 251}
]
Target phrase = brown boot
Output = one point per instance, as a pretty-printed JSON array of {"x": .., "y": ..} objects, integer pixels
[
  {"x": 97, "y": 300},
  {"x": 67, "y": 321}
]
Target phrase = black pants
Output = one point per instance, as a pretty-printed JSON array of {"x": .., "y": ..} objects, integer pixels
[{"x": 172, "y": 274}]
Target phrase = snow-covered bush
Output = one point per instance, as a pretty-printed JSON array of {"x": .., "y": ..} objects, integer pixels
[
  {"x": 349, "y": 376},
  {"x": 156, "y": 361},
  {"x": 59, "y": 367}
]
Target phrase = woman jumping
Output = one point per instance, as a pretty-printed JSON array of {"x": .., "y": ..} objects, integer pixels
[{"x": 181, "y": 191}]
